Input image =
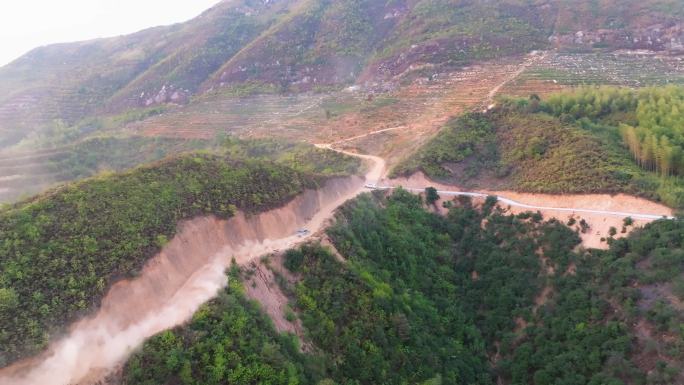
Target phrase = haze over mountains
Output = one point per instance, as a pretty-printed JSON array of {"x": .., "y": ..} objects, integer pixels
[{"x": 302, "y": 45}]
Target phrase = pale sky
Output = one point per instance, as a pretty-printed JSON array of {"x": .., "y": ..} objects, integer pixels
[{"x": 27, "y": 24}]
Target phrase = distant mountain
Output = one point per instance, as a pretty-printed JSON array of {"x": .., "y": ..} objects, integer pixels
[{"x": 301, "y": 45}]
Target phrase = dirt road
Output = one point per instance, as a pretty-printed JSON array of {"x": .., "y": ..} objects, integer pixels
[
  {"x": 531, "y": 207},
  {"x": 188, "y": 272}
]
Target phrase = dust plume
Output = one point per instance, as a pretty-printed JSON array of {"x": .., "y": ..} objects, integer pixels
[{"x": 189, "y": 271}]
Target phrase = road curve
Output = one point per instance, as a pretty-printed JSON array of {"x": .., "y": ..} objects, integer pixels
[{"x": 378, "y": 172}]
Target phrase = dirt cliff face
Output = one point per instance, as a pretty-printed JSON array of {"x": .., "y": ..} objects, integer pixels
[{"x": 186, "y": 273}]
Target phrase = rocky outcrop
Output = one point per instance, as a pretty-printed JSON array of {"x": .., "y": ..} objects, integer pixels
[
  {"x": 167, "y": 94},
  {"x": 656, "y": 37}
]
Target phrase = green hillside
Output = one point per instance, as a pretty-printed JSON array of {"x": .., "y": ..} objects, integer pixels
[
  {"x": 61, "y": 251},
  {"x": 590, "y": 140},
  {"x": 125, "y": 138},
  {"x": 426, "y": 299}
]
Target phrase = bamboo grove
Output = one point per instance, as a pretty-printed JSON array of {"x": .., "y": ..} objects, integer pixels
[{"x": 651, "y": 120}]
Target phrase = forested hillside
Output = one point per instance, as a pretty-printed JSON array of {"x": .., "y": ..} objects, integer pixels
[
  {"x": 307, "y": 45},
  {"x": 61, "y": 251},
  {"x": 603, "y": 139},
  {"x": 477, "y": 296}
]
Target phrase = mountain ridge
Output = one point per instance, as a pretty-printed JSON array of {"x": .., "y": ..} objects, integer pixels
[{"x": 297, "y": 45}]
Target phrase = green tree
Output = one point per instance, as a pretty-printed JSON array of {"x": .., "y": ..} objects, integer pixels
[{"x": 431, "y": 195}]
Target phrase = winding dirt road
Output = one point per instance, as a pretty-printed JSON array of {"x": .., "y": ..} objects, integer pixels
[
  {"x": 103, "y": 341},
  {"x": 188, "y": 272},
  {"x": 513, "y": 203}
]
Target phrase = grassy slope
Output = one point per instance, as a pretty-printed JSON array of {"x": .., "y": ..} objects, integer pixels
[
  {"x": 94, "y": 155},
  {"x": 426, "y": 299},
  {"x": 548, "y": 156},
  {"x": 59, "y": 252},
  {"x": 510, "y": 148},
  {"x": 84, "y": 159}
]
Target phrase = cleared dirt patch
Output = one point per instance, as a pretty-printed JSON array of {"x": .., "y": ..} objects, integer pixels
[{"x": 262, "y": 286}]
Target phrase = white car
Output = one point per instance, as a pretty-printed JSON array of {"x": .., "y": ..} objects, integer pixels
[{"x": 372, "y": 186}]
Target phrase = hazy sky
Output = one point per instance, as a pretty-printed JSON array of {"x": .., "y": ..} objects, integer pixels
[{"x": 26, "y": 24}]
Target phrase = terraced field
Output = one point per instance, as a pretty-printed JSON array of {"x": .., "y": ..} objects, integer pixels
[
  {"x": 260, "y": 115},
  {"x": 426, "y": 105},
  {"x": 621, "y": 68},
  {"x": 27, "y": 173},
  {"x": 413, "y": 106}
]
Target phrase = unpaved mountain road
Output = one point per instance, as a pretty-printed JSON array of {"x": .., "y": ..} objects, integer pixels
[
  {"x": 533, "y": 58},
  {"x": 188, "y": 275},
  {"x": 513, "y": 203},
  {"x": 189, "y": 271}
]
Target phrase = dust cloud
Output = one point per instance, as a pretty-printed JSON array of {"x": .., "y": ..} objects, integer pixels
[{"x": 188, "y": 272}]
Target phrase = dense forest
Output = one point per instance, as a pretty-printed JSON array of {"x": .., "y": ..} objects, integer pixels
[
  {"x": 651, "y": 121},
  {"x": 61, "y": 251},
  {"x": 477, "y": 296}
]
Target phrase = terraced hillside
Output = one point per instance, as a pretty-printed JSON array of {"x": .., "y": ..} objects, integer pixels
[
  {"x": 560, "y": 70},
  {"x": 408, "y": 112},
  {"x": 303, "y": 45},
  {"x": 35, "y": 172},
  {"x": 403, "y": 115},
  {"x": 412, "y": 112}
]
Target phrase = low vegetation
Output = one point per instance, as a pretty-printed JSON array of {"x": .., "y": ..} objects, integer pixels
[
  {"x": 105, "y": 154},
  {"x": 471, "y": 136},
  {"x": 99, "y": 154},
  {"x": 298, "y": 156}
]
